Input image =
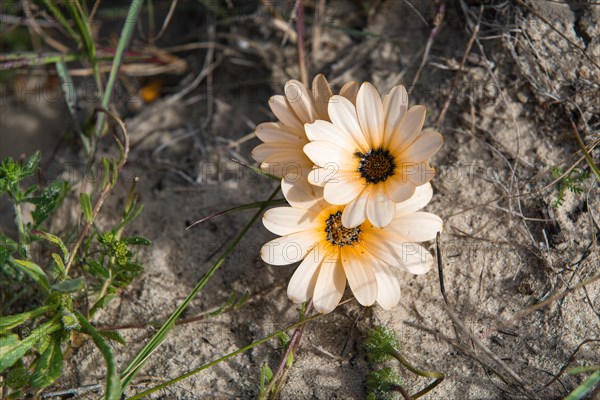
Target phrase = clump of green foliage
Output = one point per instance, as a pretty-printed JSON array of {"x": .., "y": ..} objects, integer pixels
[
  {"x": 46, "y": 299},
  {"x": 383, "y": 345},
  {"x": 572, "y": 182}
]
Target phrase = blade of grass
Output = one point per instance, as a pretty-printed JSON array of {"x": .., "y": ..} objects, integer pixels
[
  {"x": 126, "y": 33},
  {"x": 243, "y": 207},
  {"x": 224, "y": 358},
  {"x": 134, "y": 367},
  {"x": 71, "y": 98},
  {"x": 61, "y": 18}
]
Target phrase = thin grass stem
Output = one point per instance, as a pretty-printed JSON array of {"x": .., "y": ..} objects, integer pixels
[{"x": 138, "y": 362}]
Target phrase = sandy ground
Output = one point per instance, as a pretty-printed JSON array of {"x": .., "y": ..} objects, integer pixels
[{"x": 507, "y": 126}]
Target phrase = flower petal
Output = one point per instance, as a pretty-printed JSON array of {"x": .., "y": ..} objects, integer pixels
[
  {"x": 395, "y": 105},
  {"x": 388, "y": 286},
  {"x": 424, "y": 146},
  {"x": 420, "y": 199},
  {"x": 409, "y": 128},
  {"x": 286, "y": 220},
  {"x": 399, "y": 189},
  {"x": 264, "y": 150},
  {"x": 326, "y": 131},
  {"x": 344, "y": 189},
  {"x": 389, "y": 247},
  {"x": 343, "y": 115},
  {"x": 284, "y": 112},
  {"x": 326, "y": 154},
  {"x": 418, "y": 227},
  {"x": 301, "y": 194},
  {"x": 302, "y": 284},
  {"x": 330, "y": 286},
  {"x": 355, "y": 213},
  {"x": 301, "y": 101},
  {"x": 350, "y": 91},
  {"x": 277, "y": 132},
  {"x": 321, "y": 95},
  {"x": 287, "y": 163},
  {"x": 290, "y": 248},
  {"x": 380, "y": 208},
  {"x": 360, "y": 275},
  {"x": 369, "y": 110}
]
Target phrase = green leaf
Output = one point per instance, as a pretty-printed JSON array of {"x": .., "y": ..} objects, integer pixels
[
  {"x": 17, "y": 377},
  {"x": 53, "y": 239},
  {"x": 102, "y": 302},
  {"x": 114, "y": 335},
  {"x": 47, "y": 202},
  {"x": 12, "y": 349},
  {"x": 10, "y": 321},
  {"x": 266, "y": 374},
  {"x": 86, "y": 206},
  {"x": 70, "y": 94},
  {"x": 49, "y": 366},
  {"x": 59, "y": 262},
  {"x": 33, "y": 270},
  {"x": 106, "y": 173},
  {"x": 31, "y": 165},
  {"x": 70, "y": 285},
  {"x": 113, "y": 383},
  {"x": 585, "y": 388},
  {"x": 96, "y": 269},
  {"x": 7, "y": 248},
  {"x": 137, "y": 241}
]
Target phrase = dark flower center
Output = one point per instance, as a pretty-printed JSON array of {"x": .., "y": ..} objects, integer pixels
[
  {"x": 376, "y": 166},
  {"x": 339, "y": 235}
]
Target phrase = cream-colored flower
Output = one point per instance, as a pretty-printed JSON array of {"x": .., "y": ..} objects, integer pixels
[
  {"x": 365, "y": 255},
  {"x": 372, "y": 155},
  {"x": 282, "y": 152}
]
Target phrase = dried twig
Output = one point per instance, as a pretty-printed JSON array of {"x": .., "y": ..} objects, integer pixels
[
  {"x": 437, "y": 23},
  {"x": 474, "y": 34}
]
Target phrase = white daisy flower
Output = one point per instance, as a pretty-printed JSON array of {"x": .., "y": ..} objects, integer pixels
[
  {"x": 366, "y": 256},
  {"x": 282, "y": 152},
  {"x": 371, "y": 155}
]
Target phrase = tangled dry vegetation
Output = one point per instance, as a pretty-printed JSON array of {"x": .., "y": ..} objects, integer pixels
[{"x": 513, "y": 87}]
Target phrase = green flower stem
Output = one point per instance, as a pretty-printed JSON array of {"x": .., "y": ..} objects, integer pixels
[
  {"x": 224, "y": 358},
  {"x": 586, "y": 153},
  {"x": 134, "y": 367},
  {"x": 438, "y": 376}
]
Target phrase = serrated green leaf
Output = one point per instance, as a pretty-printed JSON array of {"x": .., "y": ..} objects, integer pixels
[
  {"x": 53, "y": 239},
  {"x": 49, "y": 366},
  {"x": 47, "y": 202},
  {"x": 86, "y": 206},
  {"x": 17, "y": 377},
  {"x": 11, "y": 321},
  {"x": 12, "y": 349},
  {"x": 33, "y": 270},
  {"x": 137, "y": 241},
  {"x": 70, "y": 285}
]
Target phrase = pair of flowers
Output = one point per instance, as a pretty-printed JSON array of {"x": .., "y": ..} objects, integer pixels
[{"x": 355, "y": 173}]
